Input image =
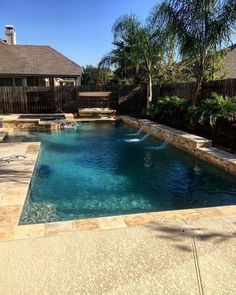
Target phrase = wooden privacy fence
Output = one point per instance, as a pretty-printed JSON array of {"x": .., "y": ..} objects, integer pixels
[
  {"x": 37, "y": 99},
  {"x": 186, "y": 90},
  {"x": 47, "y": 99},
  {"x": 125, "y": 99},
  {"x": 68, "y": 99},
  {"x": 93, "y": 99}
]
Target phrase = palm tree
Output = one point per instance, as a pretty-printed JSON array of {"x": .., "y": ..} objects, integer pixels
[
  {"x": 123, "y": 57},
  {"x": 138, "y": 47},
  {"x": 201, "y": 26},
  {"x": 124, "y": 63}
]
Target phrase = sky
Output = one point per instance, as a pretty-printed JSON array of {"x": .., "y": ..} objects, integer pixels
[{"x": 79, "y": 29}]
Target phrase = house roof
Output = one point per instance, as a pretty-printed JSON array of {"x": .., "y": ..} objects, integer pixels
[
  {"x": 35, "y": 60},
  {"x": 229, "y": 63}
]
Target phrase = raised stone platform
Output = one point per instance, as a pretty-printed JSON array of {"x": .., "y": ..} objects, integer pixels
[{"x": 36, "y": 121}]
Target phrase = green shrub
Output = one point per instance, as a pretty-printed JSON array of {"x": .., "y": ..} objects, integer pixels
[
  {"x": 215, "y": 108},
  {"x": 168, "y": 108},
  {"x": 173, "y": 110}
]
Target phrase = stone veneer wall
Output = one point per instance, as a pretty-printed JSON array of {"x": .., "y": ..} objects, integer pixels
[
  {"x": 14, "y": 122},
  {"x": 30, "y": 125},
  {"x": 193, "y": 144}
]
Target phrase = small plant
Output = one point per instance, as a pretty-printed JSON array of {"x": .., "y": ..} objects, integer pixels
[{"x": 216, "y": 108}]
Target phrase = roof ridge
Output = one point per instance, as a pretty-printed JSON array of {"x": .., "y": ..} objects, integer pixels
[
  {"x": 18, "y": 45},
  {"x": 32, "y": 45}
]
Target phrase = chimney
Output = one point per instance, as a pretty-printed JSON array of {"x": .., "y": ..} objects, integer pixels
[{"x": 10, "y": 34}]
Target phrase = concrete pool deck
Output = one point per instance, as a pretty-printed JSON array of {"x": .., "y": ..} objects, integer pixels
[{"x": 169, "y": 257}]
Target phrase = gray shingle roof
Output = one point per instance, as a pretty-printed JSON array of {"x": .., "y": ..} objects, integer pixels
[{"x": 35, "y": 60}]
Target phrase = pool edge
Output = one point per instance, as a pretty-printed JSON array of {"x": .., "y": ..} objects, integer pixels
[{"x": 51, "y": 229}]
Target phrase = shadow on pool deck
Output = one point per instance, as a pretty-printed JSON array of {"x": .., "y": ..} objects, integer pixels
[
  {"x": 7, "y": 174},
  {"x": 178, "y": 234}
]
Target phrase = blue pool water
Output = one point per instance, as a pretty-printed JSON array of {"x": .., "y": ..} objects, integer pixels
[{"x": 94, "y": 171}]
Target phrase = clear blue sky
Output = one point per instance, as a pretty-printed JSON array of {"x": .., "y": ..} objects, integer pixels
[{"x": 80, "y": 29}]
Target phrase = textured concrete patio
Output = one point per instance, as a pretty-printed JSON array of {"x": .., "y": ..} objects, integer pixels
[{"x": 173, "y": 256}]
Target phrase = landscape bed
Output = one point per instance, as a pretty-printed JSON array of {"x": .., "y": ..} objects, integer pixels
[{"x": 103, "y": 169}]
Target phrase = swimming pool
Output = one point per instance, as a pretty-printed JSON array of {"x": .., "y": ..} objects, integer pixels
[{"x": 94, "y": 170}]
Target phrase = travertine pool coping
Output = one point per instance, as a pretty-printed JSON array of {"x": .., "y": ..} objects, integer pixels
[
  {"x": 198, "y": 146},
  {"x": 15, "y": 180}
]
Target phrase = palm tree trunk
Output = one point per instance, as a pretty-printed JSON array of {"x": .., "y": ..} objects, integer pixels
[
  {"x": 149, "y": 91},
  {"x": 198, "y": 89},
  {"x": 200, "y": 77}
]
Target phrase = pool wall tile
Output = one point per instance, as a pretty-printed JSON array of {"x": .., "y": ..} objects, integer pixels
[
  {"x": 9, "y": 215},
  {"x": 12, "y": 197},
  {"x": 86, "y": 225},
  {"x": 58, "y": 228},
  {"x": 29, "y": 231},
  {"x": 139, "y": 219},
  {"x": 226, "y": 210},
  {"x": 15, "y": 195},
  {"x": 6, "y": 236},
  {"x": 177, "y": 214},
  {"x": 111, "y": 223},
  {"x": 212, "y": 212}
]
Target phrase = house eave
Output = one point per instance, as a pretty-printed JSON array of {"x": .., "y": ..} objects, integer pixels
[{"x": 11, "y": 75}]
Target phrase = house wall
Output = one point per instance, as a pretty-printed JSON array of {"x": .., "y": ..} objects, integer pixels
[
  {"x": 6, "y": 82},
  {"x": 39, "y": 81},
  {"x": 16, "y": 81}
]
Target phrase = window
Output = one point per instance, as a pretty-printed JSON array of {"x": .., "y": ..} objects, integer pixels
[
  {"x": 18, "y": 82},
  {"x": 6, "y": 82}
]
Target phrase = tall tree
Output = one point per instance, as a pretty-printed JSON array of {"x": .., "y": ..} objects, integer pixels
[
  {"x": 201, "y": 27},
  {"x": 95, "y": 76},
  {"x": 138, "y": 47}
]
